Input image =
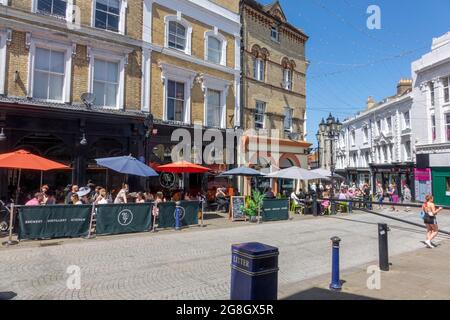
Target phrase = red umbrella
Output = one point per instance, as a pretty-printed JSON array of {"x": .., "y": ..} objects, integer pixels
[
  {"x": 25, "y": 160},
  {"x": 182, "y": 167}
]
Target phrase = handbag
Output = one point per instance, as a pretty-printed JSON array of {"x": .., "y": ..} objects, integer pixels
[{"x": 422, "y": 215}]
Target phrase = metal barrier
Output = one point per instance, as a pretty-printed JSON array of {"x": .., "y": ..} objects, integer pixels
[{"x": 410, "y": 205}]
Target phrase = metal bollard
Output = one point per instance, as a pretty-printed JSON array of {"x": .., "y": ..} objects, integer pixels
[
  {"x": 177, "y": 216},
  {"x": 333, "y": 207},
  {"x": 335, "y": 278},
  {"x": 314, "y": 204},
  {"x": 383, "y": 230}
]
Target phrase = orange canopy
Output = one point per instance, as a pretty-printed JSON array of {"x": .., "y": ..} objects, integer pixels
[
  {"x": 25, "y": 160},
  {"x": 182, "y": 167}
]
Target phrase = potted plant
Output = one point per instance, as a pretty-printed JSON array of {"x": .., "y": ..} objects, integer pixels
[{"x": 254, "y": 205}]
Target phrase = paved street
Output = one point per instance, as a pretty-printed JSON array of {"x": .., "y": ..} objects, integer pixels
[{"x": 195, "y": 264}]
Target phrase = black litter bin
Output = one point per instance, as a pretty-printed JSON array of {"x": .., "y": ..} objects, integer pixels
[{"x": 254, "y": 272}]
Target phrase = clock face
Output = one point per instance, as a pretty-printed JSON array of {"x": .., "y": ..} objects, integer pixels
[{"x": 167, "y": 180}]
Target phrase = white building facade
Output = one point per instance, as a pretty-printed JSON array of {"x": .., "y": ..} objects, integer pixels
[
  {"x": 431, "y": 116},
  {"x": 377, "y": 144}
]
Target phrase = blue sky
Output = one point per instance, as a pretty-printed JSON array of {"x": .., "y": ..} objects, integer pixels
[{"x": 349, "y": 62}]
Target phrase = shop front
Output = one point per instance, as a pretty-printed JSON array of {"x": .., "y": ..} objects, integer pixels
[
  {"x": 441, "y": 185},
  {"x": 74, "y": 136},
  {"x": 394, "y": 174}
]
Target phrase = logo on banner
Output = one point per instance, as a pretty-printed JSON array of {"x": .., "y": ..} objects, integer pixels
[
  {"x": 125, "y": 217},
  {"x": 182, "y": 213}
]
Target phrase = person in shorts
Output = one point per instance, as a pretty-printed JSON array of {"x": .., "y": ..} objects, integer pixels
[{"x": 430, "y": 220}]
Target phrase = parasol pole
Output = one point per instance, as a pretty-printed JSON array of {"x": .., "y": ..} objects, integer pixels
[
  {"x": 18, "y": 186},
  {"x": 42, "y": 179}
]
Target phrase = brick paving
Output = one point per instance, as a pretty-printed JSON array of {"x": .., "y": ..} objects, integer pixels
[{"x": 195, "y": 263}]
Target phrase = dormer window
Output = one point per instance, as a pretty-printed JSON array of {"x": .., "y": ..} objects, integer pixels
[{"x": 274, "y": 34}]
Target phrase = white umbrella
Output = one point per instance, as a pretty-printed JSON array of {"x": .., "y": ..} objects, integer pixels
[
  {"x": 327, "y": 173},
  {"x": 295, "y": 173}
]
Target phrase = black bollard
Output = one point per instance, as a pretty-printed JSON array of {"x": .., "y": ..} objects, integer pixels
[
  {"x": 335, "y": 273},
  {"x": 314, "y": 204},
  {"x": 333, "y": 207},
  {"x": 383, "y": 246}
]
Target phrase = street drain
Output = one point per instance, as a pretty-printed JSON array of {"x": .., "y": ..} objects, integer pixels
[{"x": 50, "y": 244}]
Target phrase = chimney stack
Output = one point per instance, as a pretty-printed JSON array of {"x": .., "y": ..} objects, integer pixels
[
  {"x": 370, "y": 103},
  {"x": 404, "y": 86}
]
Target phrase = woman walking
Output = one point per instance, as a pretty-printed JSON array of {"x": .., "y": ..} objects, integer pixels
[
  {"x": 430, "y": 220},
  {"x": 155, "y": 210}
]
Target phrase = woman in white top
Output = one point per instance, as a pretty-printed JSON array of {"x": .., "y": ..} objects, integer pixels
[
  {"x": 122, "y": 195},
  {"x": 102, "y": 197}
]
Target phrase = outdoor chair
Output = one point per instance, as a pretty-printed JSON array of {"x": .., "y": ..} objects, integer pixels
[
  {"x": 342, "y": 207},
  {"x": 297, "y": 208}
]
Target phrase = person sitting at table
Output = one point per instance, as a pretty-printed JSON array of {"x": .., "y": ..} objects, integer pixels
[
  {"x": 269, "y": 193},
  {"x": 75, "y": 199},
  {"x": 221, "y": 199},
  {"x": 102, "y": 197},
  {"x": 122, "y": 195},
  {"x": 36, "y": 201},
  {"x": 294, "y": 198},
  {"x": 140, "y": 198}
]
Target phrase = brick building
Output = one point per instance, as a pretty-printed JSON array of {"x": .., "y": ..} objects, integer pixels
[
  {"x": 142, "y": 60},
  {"x": 274, "y": 94}
]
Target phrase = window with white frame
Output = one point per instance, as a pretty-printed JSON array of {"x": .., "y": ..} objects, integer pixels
[
  {"x": 433, "y": 128},
  {"x": 106, "y": 83},
  {"x": 385, "y": 154},
  {"x": 447, "y": 126},
  {"x": 407, "y": 148},
  {"x": 366, "y": 134},
  {"x": 445, "y": 83},
  {"x": 108, "y": 15},
  {"x": 260, "y": 114},
  {"x": 406, "y": 120},
  {"x": 177, "y": 36},
  {"x": 49, "y": 74},
  {"x": 367, "y": 158},
  {"x": 432, "y": 93},
  {"x": 3, "y": 38},
  {"x": 391, "y": 153},
  {"x": 258, "y": 69},
  {"x": 175, "y": 100},
  {"x": 56, "y": 8},
  {"x": 214, "y": 50},
  {"x": 288, "y": 119},
  {"x": 274, "y": 34},
  {"x": 355, "y": 160},
  {"x": 389, "y": 125},
  {"x": 353, "y": 138},
  {"x": 287, "y": 79},
  {"x": 214, "y": 108}
]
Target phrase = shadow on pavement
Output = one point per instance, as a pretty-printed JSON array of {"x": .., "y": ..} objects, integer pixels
[
  {"x": 323, "y": 294},
  {"x": 7, "y": 295}
]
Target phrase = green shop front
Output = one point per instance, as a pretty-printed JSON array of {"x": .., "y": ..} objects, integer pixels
[{"x": 441, "y": 185}]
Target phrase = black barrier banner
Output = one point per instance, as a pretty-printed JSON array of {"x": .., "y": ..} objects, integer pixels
[
  {"x": 189, "y": 213},
  {"x": 123, "y": 218},
  {"x": 49, "y": 222},
  {"x": 275, "y": 210}
]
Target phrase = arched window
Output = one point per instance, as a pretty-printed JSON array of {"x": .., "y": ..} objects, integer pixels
[
  {"x": 215, "y": 47},
  {"x": 259, "y": 62},
  {"x": 178, "y": 34},
  {"x": 288, "y": 70}
]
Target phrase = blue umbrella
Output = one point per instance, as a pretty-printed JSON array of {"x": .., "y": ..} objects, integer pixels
[
  {"x": 127, "y": 165},
  {"x": 242, "y": 171}
]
